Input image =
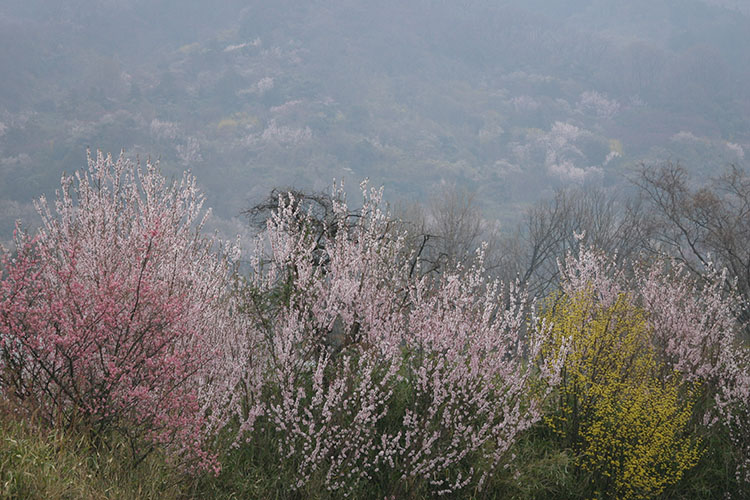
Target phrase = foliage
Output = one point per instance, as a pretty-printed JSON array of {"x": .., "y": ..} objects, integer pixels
[
  {"x": 733, "y": 402},
  {"x": 106, "y": 316},
  {"x": 697, "y": 333}
]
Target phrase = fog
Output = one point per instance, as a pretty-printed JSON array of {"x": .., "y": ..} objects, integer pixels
[{"x": 507, "y": 99}]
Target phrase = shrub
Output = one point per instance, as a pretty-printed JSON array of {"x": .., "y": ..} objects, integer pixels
[
  {"x": 688, "y": 343},
  {"x": 699, "y": 336},
  {"x": 627, "y": 425}
]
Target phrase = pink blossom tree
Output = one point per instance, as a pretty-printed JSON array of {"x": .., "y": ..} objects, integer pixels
[
  {"x": 696, "y": 329},
  {"x": 106, "y": 315},
  {"x": 371, "y": 370}
]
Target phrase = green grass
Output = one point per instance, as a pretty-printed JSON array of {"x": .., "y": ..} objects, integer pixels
[
  {"x": 38, "y": 462},
  {"x": 42, "y": 463}
]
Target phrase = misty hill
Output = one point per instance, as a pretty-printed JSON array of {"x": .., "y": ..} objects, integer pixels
[{"x": 509, "y": 98}]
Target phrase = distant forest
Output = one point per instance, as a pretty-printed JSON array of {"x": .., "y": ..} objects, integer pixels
[{"x": 510, "y": 100}]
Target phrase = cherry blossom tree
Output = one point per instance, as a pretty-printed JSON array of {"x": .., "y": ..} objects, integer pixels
[
  {"x": 373, "y": 369},
  {"x": 107, "y": 314}
]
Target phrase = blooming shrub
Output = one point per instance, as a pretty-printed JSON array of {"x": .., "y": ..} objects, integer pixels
[
  {"x": 105, "y": 316},
  {"x": 688, "y": 337},
  {"x": 696, "y": 327},
  {"x": 733, "y": 402},
  {"x": 627, "y": 425},
  {"x": 372, "y": 371}
]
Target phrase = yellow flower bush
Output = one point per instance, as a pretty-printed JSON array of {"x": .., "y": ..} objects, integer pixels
[{"x": 627, "y": 424}]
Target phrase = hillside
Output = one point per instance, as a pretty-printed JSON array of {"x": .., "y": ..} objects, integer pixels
[{"x": 510, "y": 99}]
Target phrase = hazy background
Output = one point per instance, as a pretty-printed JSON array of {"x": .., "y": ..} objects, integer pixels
[{"x": 511, "y": 99}]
